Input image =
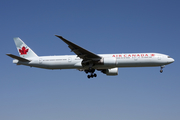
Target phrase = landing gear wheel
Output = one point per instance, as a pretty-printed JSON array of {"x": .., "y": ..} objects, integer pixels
[
  {"x": 86, "y": 71},
  {"x": 162, "y": 68},
  {"x": 95, "y": 75},
  {"x": 92, "y": 75},
  {"x": 89, "y": 76},
  {"x": 91, "y": 71}
]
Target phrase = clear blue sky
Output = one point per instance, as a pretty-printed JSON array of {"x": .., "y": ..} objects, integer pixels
[{"x": 103, "y": 26}]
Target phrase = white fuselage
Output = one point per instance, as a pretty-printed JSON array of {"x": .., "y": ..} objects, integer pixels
[{"x": 109, "y": 61}]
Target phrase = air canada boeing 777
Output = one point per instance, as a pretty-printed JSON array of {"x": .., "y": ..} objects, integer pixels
[{"x": 87, "y": 61}]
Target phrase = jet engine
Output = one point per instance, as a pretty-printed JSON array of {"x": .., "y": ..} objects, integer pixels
[{"x": 112, "y": 71}]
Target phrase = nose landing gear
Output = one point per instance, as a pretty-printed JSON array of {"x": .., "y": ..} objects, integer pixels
[{"x": 162, "y": 68}]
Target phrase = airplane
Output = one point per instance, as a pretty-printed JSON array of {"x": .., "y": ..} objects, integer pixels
[{"x": 87, "y": 61}]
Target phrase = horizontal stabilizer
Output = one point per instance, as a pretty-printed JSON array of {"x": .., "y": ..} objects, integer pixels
[{"x": 18, "y": 58}]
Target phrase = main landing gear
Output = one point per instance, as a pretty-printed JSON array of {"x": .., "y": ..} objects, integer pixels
[
  {"x": 91, "y": 70},
  {"x": 162, "y": 68},
  {"x": 92, "y": 75}
]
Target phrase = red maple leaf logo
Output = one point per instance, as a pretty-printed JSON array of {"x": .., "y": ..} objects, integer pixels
[{"x": 23, "y": 51}]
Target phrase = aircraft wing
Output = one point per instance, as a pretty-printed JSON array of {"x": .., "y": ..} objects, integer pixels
[{"x": 79, "y": 51}]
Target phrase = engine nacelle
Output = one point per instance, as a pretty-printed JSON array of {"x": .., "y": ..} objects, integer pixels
[
  {"x": 109, "y": 61},
  {"x": 112, "y": 71}
]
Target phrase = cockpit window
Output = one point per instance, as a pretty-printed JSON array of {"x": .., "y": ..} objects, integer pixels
[{"x": 169, "y": 56}]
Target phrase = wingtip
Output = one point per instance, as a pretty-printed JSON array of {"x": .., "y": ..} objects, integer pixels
[{"x": 58, "y": 36}]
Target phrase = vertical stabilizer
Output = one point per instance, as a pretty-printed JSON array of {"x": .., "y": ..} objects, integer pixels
[{"x": 23, "y": 49}]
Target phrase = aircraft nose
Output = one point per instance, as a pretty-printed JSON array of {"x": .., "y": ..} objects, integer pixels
[{"x": 171, "y": 60}]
